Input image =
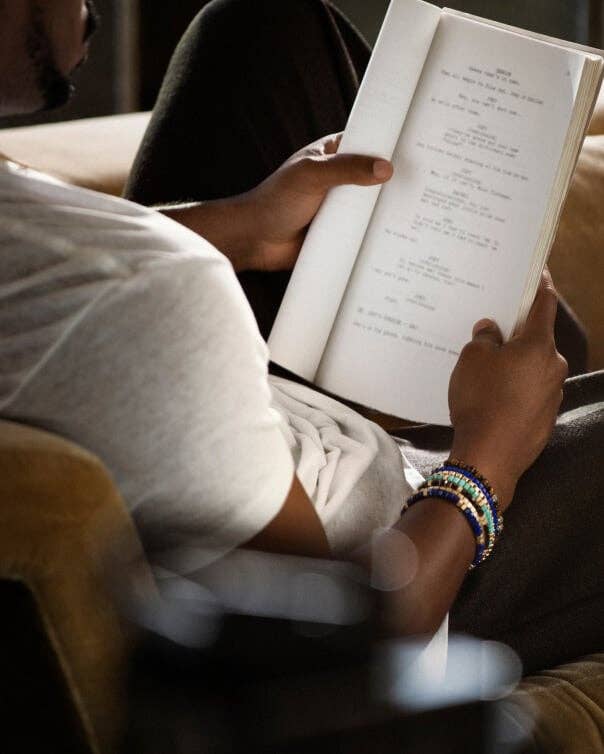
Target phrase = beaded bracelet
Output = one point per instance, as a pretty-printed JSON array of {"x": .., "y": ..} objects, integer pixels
[
  {"x": 486, "y": 489},
  {"x": 467, "y": 509},
  {"x": 491, "y": 496},
  {"x": 464, "y": 486},
  {"x": 473, "y": 476},
  {"x": 467, "y": 488}
]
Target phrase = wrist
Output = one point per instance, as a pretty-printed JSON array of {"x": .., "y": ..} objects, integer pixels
[
  {"x": 225, "y": 223},
  {"x": 491, "y": 464}
]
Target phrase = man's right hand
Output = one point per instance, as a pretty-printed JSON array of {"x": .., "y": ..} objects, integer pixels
[{"x": 504, "y": 397}]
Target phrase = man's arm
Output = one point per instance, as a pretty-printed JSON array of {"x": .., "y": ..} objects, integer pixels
[
  {"x": 225, "y": 223},
  {"x": 296, "y": 530},
  {"x": 442, "y": 539},
  {"x": 504, "y": 399},
  {"x": 264, "y": 228}
]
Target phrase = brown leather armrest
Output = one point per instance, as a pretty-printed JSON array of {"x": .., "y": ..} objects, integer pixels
[{"x": 59, "y": 514}]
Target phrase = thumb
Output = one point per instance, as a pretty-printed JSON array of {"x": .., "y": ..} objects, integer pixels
[
  {"x": 340, "y": 169},
  {"x": 487, "y": 331}
]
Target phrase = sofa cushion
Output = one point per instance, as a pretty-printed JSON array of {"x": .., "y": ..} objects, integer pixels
[
  {"x": 577, "y": 258},
  {"x": 94, "y": 153},
  {"x": 561, "y": 711}
]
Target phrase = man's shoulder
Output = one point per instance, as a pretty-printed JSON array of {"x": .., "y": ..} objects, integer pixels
[
  {"x": 49, "y": 219},
  {"x": 69, "y": 255}
]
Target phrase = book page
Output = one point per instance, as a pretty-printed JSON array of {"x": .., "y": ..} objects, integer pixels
[
  {"x": 526, "y": 32},
  {"x": 453, "y": 235},
  {"x": 322, "y": 271}
]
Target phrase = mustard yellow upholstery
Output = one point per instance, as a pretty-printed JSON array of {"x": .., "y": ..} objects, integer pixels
[
  {"x": 596, "y": 125},
  {"x": 562, "y": 711},
  {"x": 577, "y": 259},
  {"x": 60, "y": 515}
]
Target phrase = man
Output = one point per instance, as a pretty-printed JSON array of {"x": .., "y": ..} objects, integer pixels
[{"x": 127, "y": 331}]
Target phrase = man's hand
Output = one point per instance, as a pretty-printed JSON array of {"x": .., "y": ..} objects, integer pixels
[
  {"x": 286, "y": 202},
  {"x": 504, "y": 397},
  {"x": 264, "y": 228}
]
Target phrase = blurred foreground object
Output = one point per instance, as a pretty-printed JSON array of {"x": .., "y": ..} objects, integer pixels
[
  {"x": 64, "y": 648},
  {"x": 278, "y": 654}
]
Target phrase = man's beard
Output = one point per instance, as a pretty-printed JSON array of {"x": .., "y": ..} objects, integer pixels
[{"x": 55, "y": 87}]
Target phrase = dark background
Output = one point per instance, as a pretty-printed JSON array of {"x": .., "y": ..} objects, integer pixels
[{"x": 133, "y": 46}]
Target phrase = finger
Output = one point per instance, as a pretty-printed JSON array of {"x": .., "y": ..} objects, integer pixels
[
  {"x": 487, "y": 331},
  {"x": 341, "y": 169},
  {"x": 542, "y": 316}
]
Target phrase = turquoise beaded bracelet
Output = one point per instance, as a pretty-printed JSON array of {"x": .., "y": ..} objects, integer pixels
[
  {"x": 465, "y": 507},
  {"x": 459, "y": 483},
  {"x": 462, "y": 485}
]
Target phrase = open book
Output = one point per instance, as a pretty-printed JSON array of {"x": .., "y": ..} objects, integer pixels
[{"x": 484, "y": 124}]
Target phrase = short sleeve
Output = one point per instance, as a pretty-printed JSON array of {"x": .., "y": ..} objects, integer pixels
[{"x": 164, "y": 377}]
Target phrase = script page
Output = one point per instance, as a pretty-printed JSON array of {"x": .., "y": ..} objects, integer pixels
[
  {"x": 453, "y": 234},
  {"x": 321, "y": 274}
]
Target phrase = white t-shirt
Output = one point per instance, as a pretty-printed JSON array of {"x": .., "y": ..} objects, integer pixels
[{"x": 129, "y": 334}]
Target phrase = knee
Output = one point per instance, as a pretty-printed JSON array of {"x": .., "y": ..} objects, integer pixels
[
  {"x": 254, "y": 20},
  {"x": 245, "y": 9}
]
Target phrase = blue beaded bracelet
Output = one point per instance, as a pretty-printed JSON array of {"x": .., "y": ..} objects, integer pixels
[
  {"x": 464, "y": 506},
  {"x": 473, "y": 470},
  {"x": 461, "y": 484},
  {"x": 491, "y": 499}
]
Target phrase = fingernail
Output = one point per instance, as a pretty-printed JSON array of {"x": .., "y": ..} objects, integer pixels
[
  {"x": 484, "y": 325},
  {"x": 382, "y": 169}
]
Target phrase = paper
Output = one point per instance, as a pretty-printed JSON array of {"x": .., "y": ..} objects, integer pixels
[{"x": 453, "y": 235}]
